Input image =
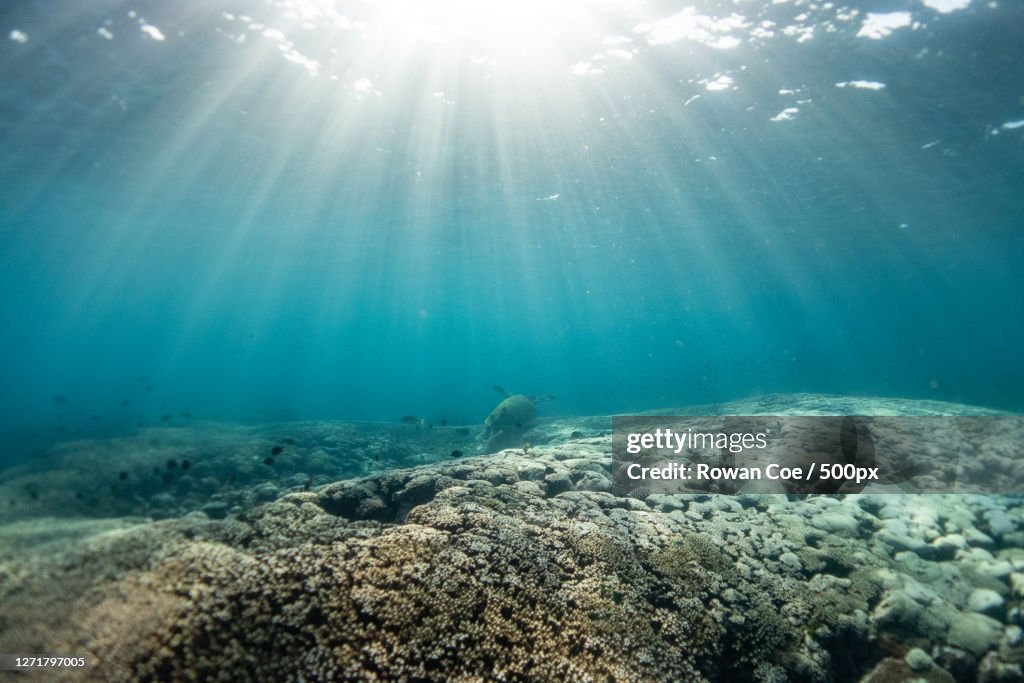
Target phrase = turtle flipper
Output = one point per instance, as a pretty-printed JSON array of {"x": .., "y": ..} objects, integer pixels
[{"x": 501, "y": 390}]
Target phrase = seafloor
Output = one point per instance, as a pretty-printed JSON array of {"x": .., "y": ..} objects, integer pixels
[{"x": 336, "y": 550}]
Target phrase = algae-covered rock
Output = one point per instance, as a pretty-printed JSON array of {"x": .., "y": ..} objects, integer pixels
[
  {"x": 517, "y": 567},
  {"x": 975, "y": 633}
]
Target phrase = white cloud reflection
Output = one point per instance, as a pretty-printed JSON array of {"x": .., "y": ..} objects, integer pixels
[
  {"x": 877, "y": 26},
  {"x": 153, "y": 32},
  {"x": 696, "y": 27},
  {"x": 946, "y": 6},
  {"x": 786, "y": 114},
  {"x": 862, "y": 85}
]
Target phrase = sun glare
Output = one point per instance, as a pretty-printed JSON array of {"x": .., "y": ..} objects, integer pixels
[{"x": 503, "y": 30}]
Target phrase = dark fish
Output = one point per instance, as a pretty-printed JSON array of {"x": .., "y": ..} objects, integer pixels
[
  {"x": 185, "y": 464},
  {"x": 124, "y": 403},
  {"x": 276, "y": 450},
  {"x": 60, "y": 398},
  {"x": 168, "y": 477},
  {"x": 456, "y": 454},
  {"x": 34, "y": 494},
  {"x": 95, "y": 418},
  {"x": 462, "y": 431},
  {"x": 171, "y": 464},
  {"x": 288, "y": 440},
  {"x": 165, "y": 417},
  {"x": 444, "y": 423},
  {"x": 187, "y": 415},
  {"x": 122, "y": 476},
  {"x": 308, "y": 484},
  {"x": 268, "y": 461},
  {"x": 409, "y": 420},
  {"x": 576, "y": 435}
]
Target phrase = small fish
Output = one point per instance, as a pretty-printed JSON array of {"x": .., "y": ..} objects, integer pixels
[
  {"x": 187, "y": 415},
  {"x": 172, "y": 464},
  {"x": 185, "y": 464},
  {"x": 526, "y": 448},
  {"x": 124, "y": 403},
  {"x": 444, "y": 423},
  {"x": 168, "y": 477},
  {"x": 308, "y": 484},
  {"x": 60, "y": 398},
  {"x": 576, "y": 435},
  {"x": 410, "y": 420},
  {"x": 288, "y": 440},
  {"x": 268, "y": 461},
  {"x": 165, "y": 417},
  {"x": 456, "y": 454},
  {"x": 462, "y": 431},
  {"x": 122, "y": 476},
  {"x": 276, "y": 450}
]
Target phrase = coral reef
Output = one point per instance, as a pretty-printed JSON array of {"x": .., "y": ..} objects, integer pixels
[{"x": 526, "y": 567}]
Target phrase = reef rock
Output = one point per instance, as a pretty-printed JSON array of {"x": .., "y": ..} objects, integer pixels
[{"x": 506, "y": 567}]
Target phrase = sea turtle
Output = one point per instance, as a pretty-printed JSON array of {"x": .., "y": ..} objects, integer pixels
[{"x": 510, "y": 419}]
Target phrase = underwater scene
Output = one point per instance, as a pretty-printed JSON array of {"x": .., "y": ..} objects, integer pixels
[{"x": 480, "y": 340}]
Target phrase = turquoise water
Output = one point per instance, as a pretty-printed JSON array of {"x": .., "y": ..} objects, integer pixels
[
  {"x": 268, "y": 266},
  {"x": 313, "y": 210}
]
